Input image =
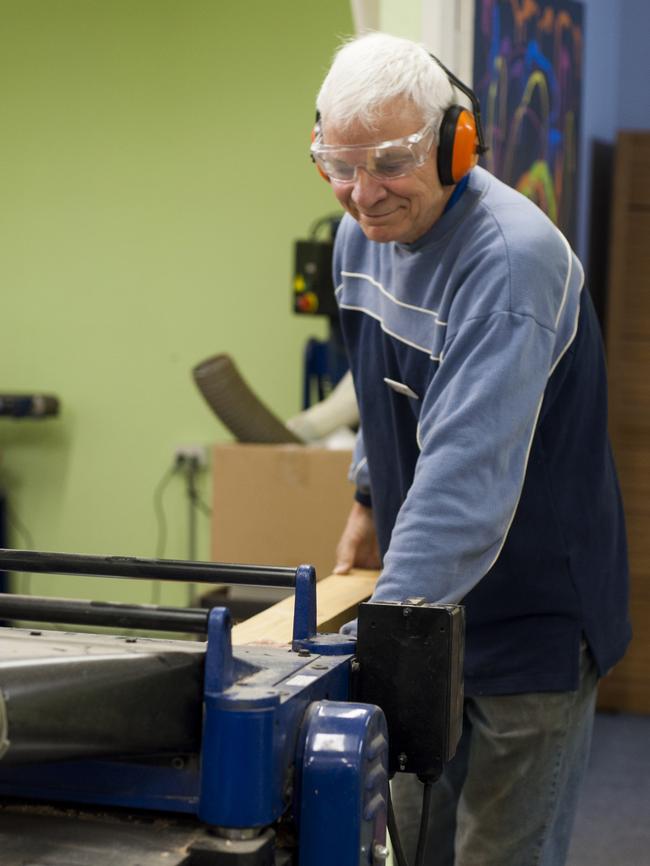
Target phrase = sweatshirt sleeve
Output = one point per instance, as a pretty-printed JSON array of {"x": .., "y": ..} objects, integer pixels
[
  {"x": 475, "y": 432},
  {"x": 358, "y": 473}
]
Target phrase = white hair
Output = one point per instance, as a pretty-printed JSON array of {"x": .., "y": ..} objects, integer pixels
[{"x": 373, "y": 70}]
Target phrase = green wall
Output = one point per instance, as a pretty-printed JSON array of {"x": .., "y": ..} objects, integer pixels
[
  {"x": 153, "y": 177},
  {"x": 402, "y": 18}
]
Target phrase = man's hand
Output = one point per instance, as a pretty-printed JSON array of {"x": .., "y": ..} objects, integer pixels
[{"x": 358, "y": 547}]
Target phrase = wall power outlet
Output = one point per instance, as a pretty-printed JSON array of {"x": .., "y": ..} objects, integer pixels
[{"x": 187, "y": 452}]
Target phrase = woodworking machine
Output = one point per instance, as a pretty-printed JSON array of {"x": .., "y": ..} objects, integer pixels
[{"x": 118, "y": 750}]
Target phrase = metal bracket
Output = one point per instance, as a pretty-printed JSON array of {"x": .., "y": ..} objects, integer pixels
[{"x": 305, "y": 636}]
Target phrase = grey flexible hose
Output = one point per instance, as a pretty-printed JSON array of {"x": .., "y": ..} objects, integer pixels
[{"x": 236, "y": 405}]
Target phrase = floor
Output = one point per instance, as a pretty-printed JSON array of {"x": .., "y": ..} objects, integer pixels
[{"x": 613, "y": 821}]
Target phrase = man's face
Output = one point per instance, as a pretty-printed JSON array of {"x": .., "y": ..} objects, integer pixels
[{"x": 401, "y": 209}]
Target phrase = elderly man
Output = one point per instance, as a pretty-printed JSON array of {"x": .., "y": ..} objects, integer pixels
[{"x": 483, "y": 469}]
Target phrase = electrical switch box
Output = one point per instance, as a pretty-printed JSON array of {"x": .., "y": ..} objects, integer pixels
[
  {"x": 313, "y": 288},
  {"x": 410, "y": 663}
]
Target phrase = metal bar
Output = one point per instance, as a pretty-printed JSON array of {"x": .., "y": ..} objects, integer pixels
[
  {"x": 146, "y": 569},
  {"x": 82, "y": 611}
]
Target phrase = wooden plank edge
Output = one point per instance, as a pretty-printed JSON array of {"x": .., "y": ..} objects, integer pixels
[{"x": 337, "y": 599}]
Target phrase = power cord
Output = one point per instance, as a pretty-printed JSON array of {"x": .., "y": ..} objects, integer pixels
[
  {"x": 161, "y": 521},
  {"x": 398, "y": 851},
  {"x": 393, "y": 832},
  {"x": 189, "y": 466},
  {"x": 18, "y": 528},
  {"x": 424, "y": 823},
  {"x": 159, "y": 511},
  {"x": 331, "y": 220}
]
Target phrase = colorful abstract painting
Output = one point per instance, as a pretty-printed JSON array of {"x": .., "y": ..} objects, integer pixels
[{"x": 528, "y": 77}]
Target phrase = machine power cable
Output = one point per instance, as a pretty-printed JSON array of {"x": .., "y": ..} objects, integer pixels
[
  {"x": 424, "y": 823},
  {"x": 398, "y": 851}
]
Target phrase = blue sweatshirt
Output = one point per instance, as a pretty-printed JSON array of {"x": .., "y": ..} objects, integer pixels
[{"x": 478, "y": 366}]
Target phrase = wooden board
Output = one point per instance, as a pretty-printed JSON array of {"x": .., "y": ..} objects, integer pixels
[{"x": 337, "y": 597}]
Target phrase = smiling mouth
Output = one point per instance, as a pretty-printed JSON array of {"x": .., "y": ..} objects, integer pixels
[{"x": 377, "y": 216}]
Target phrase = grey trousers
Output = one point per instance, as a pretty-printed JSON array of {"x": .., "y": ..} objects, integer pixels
[{"x": 508, "y": 797}]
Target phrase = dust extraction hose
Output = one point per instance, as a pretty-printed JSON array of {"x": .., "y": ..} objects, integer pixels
[
  {"x": 339, "y": 409},
  {"x": 234, "y": 403}
]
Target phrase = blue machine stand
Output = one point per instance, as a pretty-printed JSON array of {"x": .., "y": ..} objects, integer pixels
[{"x": 278, "y": 766}]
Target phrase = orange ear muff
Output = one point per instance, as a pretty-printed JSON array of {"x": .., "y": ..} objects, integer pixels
[
  {"x": 458, "y": 147},
  {"x": 314, "y": 135}
]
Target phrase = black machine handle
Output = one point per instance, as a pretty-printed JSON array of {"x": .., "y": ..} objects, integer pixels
[
  {"x": 32, "y": 608},
  {"x": 61, "y": 610},
  {"x": 145, "y": 569}
]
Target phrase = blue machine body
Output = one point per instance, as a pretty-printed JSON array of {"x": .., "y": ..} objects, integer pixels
[{"x": 280, "y": 738}]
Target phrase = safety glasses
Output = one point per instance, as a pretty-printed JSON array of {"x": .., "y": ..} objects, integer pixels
[{"x": 384, "y": 161}]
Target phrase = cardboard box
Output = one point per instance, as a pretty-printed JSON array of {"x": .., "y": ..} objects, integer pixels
[{"x": 279, "y": 504}]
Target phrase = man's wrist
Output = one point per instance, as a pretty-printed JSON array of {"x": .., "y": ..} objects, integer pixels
[{"x": 363, "y": 498}]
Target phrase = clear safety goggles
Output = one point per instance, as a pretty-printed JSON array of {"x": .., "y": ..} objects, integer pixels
[{"x": 384, "y": 161}]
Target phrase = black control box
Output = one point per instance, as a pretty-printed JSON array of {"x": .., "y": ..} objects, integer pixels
[{"x": 410, "y": 663}]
